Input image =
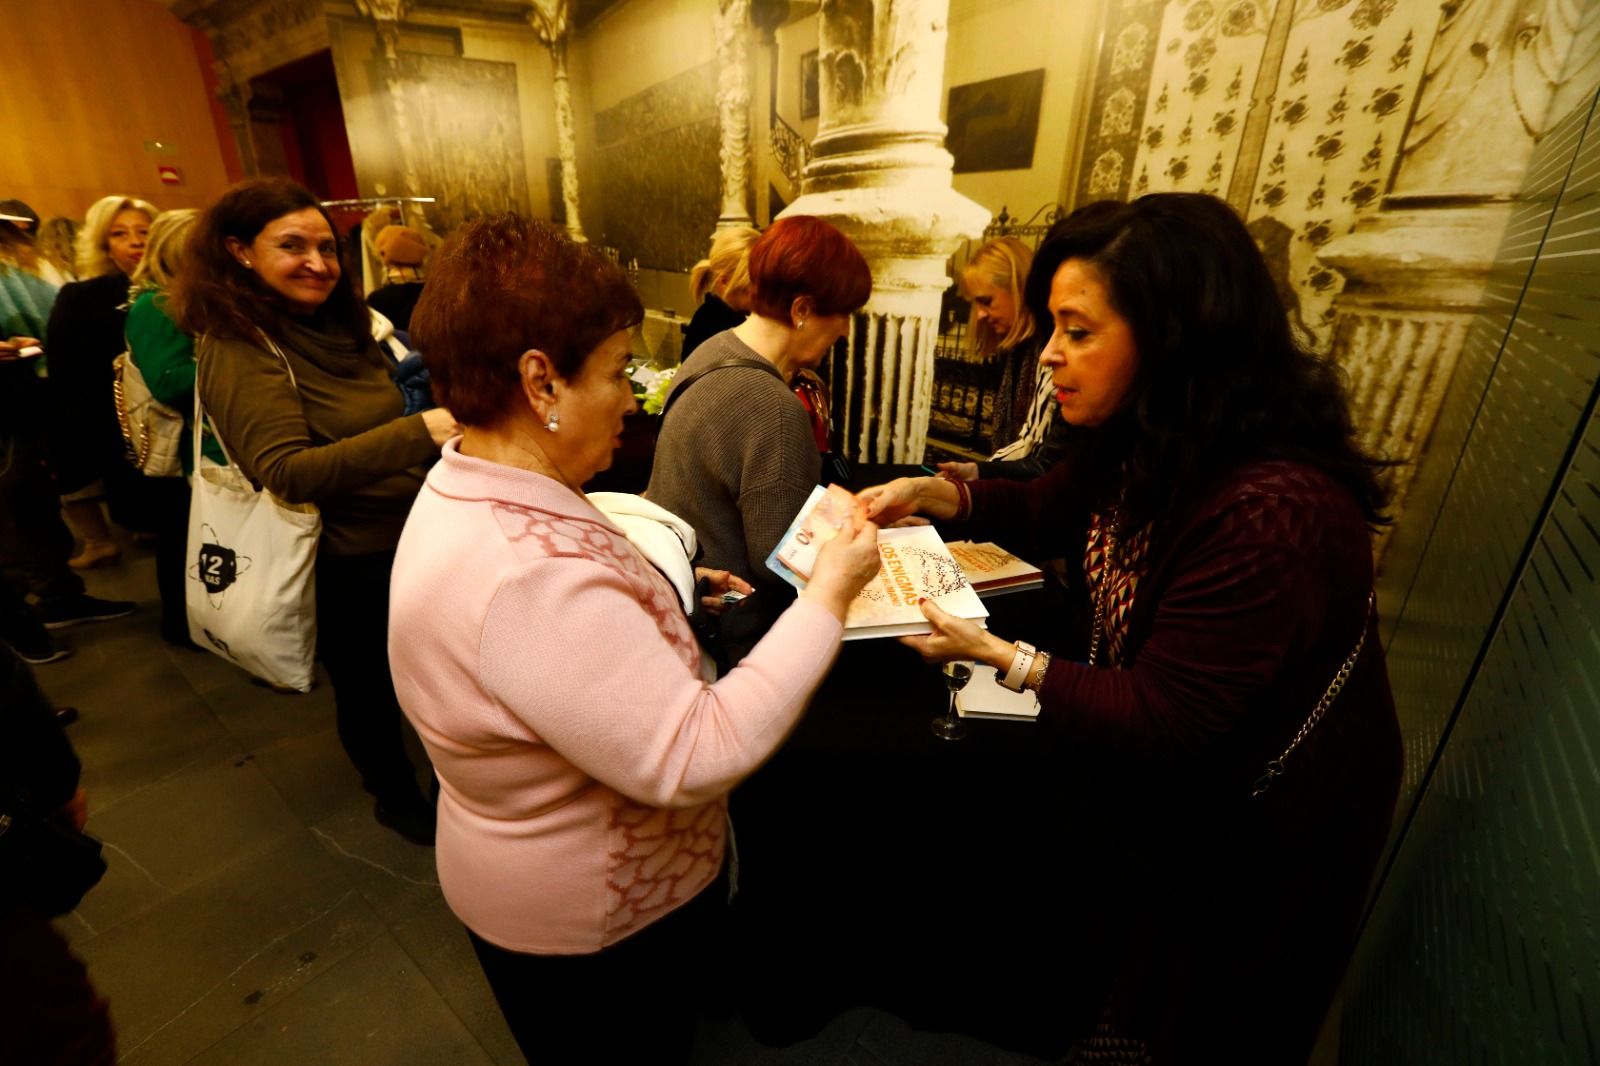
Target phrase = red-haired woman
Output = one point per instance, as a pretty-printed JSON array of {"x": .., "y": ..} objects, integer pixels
[
  {"x": 584, "y": 748},
  {"x": 296, "y": 387},
  {"x": 736, "y": 457}
]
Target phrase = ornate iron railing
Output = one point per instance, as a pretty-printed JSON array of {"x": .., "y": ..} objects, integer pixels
[{"x": 791, "y": 151}]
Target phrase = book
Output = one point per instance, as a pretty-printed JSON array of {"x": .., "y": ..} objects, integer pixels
[
  {"x": 914, "y": 562},
  {"x": 992, "y": 570},
  {"x": 983, "y": 698}
]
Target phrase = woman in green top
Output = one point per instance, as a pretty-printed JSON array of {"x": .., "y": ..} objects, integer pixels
[{"x": 164, "y": 354}]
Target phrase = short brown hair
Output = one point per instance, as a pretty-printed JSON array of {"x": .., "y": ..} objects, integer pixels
[
  {"x": 504, "y": 284},
  {"x": 804, "y": 256}
]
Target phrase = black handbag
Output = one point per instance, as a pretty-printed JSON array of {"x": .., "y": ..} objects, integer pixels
[{"x": 49, "y": 865}]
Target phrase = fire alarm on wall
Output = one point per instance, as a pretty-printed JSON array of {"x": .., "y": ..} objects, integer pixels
[{"x": 170, "y": 175}]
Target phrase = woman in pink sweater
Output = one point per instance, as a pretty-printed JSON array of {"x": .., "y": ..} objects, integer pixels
[{"x": 584, "y": 753}]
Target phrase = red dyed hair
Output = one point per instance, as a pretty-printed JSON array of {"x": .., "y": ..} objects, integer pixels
[
  {"x": 805, "y": 256},
  {"x": 503, "y": 284}
]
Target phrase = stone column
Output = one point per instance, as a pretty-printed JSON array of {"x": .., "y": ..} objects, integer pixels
[
  {"x": 1499, "y": 73},
  {"x": 733, "y": 110},
  {"x": 881, "y": 173},
  {"x": 552, "y": 21},
  {"x": 386, "y": 17},
  {"x": 235, "y": 98}
]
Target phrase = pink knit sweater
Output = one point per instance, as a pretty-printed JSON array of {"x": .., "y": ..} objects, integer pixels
[{"x": 584, "y": 754}]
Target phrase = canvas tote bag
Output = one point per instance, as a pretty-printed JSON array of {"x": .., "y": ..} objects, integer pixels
[{"x": 251, "y": 591}]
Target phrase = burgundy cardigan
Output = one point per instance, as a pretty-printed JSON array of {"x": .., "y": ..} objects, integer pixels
[{"x": 1238, "y": 914}]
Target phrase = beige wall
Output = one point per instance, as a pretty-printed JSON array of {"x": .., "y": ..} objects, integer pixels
[
  {"x": 76, "y": 113},
  {"x": 993, "y": 38},
  {"x": 642, "y": 43}
]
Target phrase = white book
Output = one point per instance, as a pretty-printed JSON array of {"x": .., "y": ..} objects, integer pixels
[
  {"x": 914, "y": 563},
  {"x": 984, "y": 698}
]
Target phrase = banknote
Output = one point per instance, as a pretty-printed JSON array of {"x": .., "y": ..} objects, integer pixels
[{"x": 829, "y": 511}]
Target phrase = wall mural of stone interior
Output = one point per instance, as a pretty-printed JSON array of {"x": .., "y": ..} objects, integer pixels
[
  {"x": 1175, "y": 90},
  {"x": 658, "y": 170},
  {"x": 465, "y": 124}
]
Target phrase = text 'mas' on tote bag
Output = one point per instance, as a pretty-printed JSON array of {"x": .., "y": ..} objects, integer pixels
[{"x": 251, "y": 592}]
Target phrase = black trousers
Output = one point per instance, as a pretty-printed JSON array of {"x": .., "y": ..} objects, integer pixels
[
  {"x": 34, "y": 542},
  {"x": 353, "y": 642},
  {"x": 634, "y": 1002},
  {"x": 169, "y": 513}
]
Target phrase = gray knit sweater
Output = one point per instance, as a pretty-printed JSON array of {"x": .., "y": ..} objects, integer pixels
[{"x": 735, "y": 458}]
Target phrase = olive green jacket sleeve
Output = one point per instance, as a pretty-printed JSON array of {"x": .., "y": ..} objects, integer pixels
[{"x": 253, "y": 404}]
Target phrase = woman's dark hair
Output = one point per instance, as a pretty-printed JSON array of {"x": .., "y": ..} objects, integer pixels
[
  {"x": 213, "y": 293},
  {"x": 1221, "y": 378},
  {"x": 501, "y": 285}
]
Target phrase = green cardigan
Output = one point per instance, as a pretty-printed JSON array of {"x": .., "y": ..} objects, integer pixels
[{"x": 164, "y": 354}]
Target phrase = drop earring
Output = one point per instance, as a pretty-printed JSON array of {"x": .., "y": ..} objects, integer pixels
[{"x": 553, "y": 423}]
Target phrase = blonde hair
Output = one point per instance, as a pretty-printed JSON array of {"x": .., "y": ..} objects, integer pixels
[
  {"x": 57, "y": 242},
  {"x": 727, "y": 268},
  {"x": 93, "y": 257},
  {"x": 1003, "y": 263},
  {"x": 164, "y": 248}
]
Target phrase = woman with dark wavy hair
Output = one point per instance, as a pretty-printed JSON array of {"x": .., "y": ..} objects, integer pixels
[
  {"x": 1235, "y": 695},
  {"x": 294, "y": 384}
]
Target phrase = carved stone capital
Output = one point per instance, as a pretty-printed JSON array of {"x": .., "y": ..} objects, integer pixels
[{"x": 551, "y": 20}]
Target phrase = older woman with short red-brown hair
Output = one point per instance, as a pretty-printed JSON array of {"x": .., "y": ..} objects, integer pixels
[
  {"x": 584, "y": 753},
  {"x": 736, "y": 457}
]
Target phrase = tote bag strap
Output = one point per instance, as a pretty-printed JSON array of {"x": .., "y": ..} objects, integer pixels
[{"x": 199, "y": 411}]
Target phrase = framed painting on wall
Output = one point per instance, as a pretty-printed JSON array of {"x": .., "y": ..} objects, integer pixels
[
  {"x": 994, "y": 123},
  {"x": 810, "y": 89}
]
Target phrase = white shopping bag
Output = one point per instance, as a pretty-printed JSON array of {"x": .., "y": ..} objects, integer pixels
[{"x": 251, "y": 591}]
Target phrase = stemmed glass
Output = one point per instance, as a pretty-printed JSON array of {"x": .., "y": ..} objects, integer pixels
[{"x": 949, "y": 726}]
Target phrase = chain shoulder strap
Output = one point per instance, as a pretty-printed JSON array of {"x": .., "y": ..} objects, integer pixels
[
  {"x": 1275, "y": 767},
  {"x": 138, "y": 451}
]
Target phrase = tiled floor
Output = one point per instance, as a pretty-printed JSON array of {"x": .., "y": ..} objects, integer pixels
[{"x": 255, "y": 913}]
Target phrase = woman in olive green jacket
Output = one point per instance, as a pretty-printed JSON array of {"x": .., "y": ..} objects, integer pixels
[{"x": 164, "y": 354}]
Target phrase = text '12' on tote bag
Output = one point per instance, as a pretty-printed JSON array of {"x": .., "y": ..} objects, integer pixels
[{"x": 251, "y": 592}]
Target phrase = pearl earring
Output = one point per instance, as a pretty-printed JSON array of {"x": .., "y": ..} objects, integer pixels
[{"x": 554, "y": 422}]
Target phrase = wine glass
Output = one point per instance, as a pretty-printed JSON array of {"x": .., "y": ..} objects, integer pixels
[{"x": 949, "y": 726}]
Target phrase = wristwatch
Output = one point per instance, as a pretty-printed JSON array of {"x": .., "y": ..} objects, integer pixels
[{"x": 1021, "y": 666}]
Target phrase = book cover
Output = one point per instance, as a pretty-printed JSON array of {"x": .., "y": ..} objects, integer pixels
[
  {"x": 992, "y": 570},
  {"x": 915, "y": 563}
]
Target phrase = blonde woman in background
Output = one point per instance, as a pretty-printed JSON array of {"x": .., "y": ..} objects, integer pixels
[
  {"x": 85, "y": 335},
  {"x": 164, "y": 355},
  {"x": 720, "y": 285},
  {"x": 1002, "y": 326}
]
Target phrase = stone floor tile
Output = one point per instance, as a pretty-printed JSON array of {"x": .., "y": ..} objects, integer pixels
[
  {"x": 179, "y": 831},
  {"x": 216, "y": 955},
  {"x": 375, "y": 1007},
  {"x": 392, "y": 874},
  {"x": 436, "y": 939}
]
